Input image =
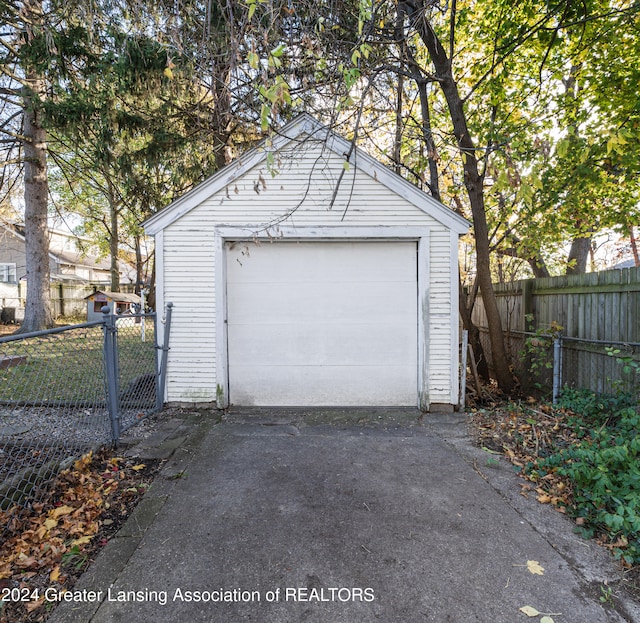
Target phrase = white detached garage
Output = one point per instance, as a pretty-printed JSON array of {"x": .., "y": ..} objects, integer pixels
[{"x": 299, "y": 280}]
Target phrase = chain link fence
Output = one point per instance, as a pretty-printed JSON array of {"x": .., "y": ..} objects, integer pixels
[
  {"x": 68, "y": 390},
  {"x": 546, "y": 363}
]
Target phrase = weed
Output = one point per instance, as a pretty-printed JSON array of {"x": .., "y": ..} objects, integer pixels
[
  {"x": 178, "y": 475},
  {"x": 538, "y": 352},
  {"x": 629, "y": 364},
  {"x": 75, "y": 558},
  {"x": 604, "y": 469},
  {"x": 606, "y": 595}
]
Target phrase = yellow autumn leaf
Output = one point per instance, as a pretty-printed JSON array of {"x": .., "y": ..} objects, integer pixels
[
  {"x": 5, "y": 570},
  {"x": 50, "y": 523},
  {"x": 137, "y": 468},
  {"x": 535, "y": 567},
  {"x": 61, "y": 510},
  {"x": 168, "y": 73},
  {"x": 54, "y": 576},
  {"x": 83, "y": 462},
  {"x": 529, "y": 611},
  {"x": 82, "y": 540}
]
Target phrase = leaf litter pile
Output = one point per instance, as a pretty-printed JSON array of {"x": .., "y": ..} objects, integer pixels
[
  {"x": 49, "y": 545},
  {"x": 524, "y": 434},
  {"x": 535, "y": 437}
]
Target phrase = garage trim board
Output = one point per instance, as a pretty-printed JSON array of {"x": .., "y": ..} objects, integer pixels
[{"x": 402, "y": 387}]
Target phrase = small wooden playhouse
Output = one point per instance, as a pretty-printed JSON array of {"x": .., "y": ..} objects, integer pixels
[{"x": 299, "y": 278}]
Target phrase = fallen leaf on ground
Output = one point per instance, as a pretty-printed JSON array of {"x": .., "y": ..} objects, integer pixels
[
  {"x": 61, "y": 510},
  {"x": 50, "y": 523},
  {"x": 529, "y": 611},
  {"x": 52, "y": 542},
  {"x": 534, "y": 567},
  {"x": 34, "y": 605}
]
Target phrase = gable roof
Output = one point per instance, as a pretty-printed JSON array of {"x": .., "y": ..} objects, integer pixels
[
  {"x": 306, "y": 125},
  {"x": 13, "y": 230},
  {"x": 123, "y": 297},
  {"x": 70, "y": 258},
  {"x": 75, "y": 258}
]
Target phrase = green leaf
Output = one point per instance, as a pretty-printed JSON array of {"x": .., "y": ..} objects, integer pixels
[
  {"x": 536, "y": 182},
  {"x": 253, "y": 59},
  {"x": 252, "y": 9},
  {"x": 265, "y": 111},
  {"x": 562, "y": 147},
  {"x": 530, "y": 611}
]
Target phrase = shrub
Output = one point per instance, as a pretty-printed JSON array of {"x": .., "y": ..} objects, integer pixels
[{"x": 604, "y": 469}]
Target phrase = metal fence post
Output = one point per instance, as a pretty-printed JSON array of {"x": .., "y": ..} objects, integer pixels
[
  {"x": 111, "y": 370},
  {"x": 557, "y": 366},
  {"x": 463, "y": 371},
  {"x": 162, "y": 371}
]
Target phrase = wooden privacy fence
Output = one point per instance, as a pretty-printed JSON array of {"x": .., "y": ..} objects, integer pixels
[{"x": 591, "y": 313}]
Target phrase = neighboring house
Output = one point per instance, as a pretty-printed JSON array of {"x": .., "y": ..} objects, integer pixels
[
  {"x": 66, "y": 262},
  {"x": 330, "y": 282},
  {"x": 625, "y": 264},
  {"x": 9, "y": 300}
]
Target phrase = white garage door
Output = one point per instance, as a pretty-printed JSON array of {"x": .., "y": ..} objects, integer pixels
[{"x": 322, "y": 323}]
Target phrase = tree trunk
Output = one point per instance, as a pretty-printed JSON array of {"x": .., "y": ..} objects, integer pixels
[
  {"x": 474, "y": 334},
  {"x": 113, "y": 252},
  {"x": 140, "y": 284},
  {"x": 421, "y": 81},
  {"x": 221, "y": 91},
  {"x": 114, "y": 233},
  {"x": 37, "y": 315},
  {"x": 397, "y": 143},
  {"x": 474, "y": 185},
  {"x": 634, "y": 246},
  {"x": 539, "y": 267},
  {"x": 151, "y": 296},
  {"x": 427, "y": 135},
  {"x": 578, "y": 256}
]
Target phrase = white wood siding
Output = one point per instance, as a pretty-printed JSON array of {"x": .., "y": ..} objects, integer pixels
[
  {"x": 298, "y": 196},
  {"x": 189, "y": 283},
  {"x": 440, "y": 325},
  {"x": 260, "y": 200}
]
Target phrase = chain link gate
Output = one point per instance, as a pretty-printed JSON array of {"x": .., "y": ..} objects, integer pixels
[{"x": 71, "y": 389}]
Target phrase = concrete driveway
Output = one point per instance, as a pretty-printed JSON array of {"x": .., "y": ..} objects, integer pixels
[{"x": 341, "y": 517}]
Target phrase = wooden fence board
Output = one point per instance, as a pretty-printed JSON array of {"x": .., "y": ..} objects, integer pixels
[{"x": 595, "y": 306}]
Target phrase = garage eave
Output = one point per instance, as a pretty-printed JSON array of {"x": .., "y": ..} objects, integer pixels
[{"x": 306, "y": 125}]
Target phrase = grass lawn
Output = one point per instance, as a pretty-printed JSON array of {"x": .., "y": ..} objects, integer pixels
[{"x": 69, "y": 366}]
